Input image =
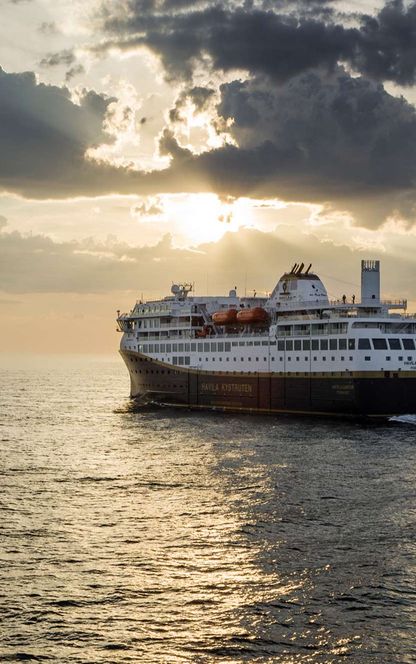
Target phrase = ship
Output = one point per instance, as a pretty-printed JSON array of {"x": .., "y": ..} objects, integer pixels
[{"x": 293, "y": 352}]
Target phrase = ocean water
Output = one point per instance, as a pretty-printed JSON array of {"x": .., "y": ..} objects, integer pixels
[{"x": 163, "y": 537}]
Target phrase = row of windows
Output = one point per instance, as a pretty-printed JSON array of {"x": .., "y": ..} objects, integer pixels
[
  {"x": 316, "y": 329},
  {"x": 316, "y": 344},
  {"x": 344, "y": 344},
  {"x": 381, "y": 344},
  {"x": 282, "y": 345},
  {"x": 186, "y": 359}
]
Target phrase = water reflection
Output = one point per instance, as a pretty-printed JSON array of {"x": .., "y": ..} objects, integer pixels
[{"x": 154, "y": 536}]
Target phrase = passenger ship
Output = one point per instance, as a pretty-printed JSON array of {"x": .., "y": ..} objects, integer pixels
[{"x": 293, "y": 352}]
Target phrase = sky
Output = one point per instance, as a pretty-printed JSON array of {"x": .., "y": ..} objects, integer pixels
[{"x": 146, "y": 142}]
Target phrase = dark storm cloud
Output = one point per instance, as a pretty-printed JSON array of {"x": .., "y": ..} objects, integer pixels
[
  {"x": 44, "y": 136},
  {"x": 259, "y": 41},
  {"x": 336, "y": 140},
  {"x": 277, "y": 39},
  {"x": 387, "y": 46},
  {"x": 340, "y": 140}
]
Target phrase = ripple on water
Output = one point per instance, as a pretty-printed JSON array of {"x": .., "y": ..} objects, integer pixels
[{"x": 146, "y": 535}]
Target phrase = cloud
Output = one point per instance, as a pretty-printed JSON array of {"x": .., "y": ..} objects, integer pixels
[
  {"x": 152, "y": 207},
  {"x": 74, "y": 71},
  {"x": 65, "y": 57},
  {"x": 279, "y": 39},
  {"x": 44, "y": 137},
  {"x": 334, "y": 140},
  {"x": 37, "y": 264}
]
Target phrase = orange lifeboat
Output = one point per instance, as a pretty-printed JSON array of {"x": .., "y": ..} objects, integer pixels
[
  {"x": 228, "y": 317},
  {"x": 255, "y": 315}
]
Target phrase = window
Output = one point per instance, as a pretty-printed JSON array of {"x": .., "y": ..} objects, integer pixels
[
  {"x": 408, "y": 344},
  {"x": 395, "y": 344},
  {"x": 241, "y": 343},
  {"x": 367, "y": 358},
  {"x": 342, "y": 344},
  {"x": 220, "y": 347},
  {"x": 315, "y": 344},
  {"x": 214, "y": 347},
  {"x": 206, "y": 347},
  {"x": 297, "y": 359},
  {"x": 351, "y": 344},
  {"x": 332, "y": 359},
  {"x": 289, "y": 344},
  {"x": 400, "y": 358},
  {"x": 227, "y": 346},
  {"x": 324, "y": 344},
  {"x": 297, "y": 345},
  {"x": 332, "y": 344},
  {"x": 257, "y": 343},
  {"x": 180, "y": 348},
  {"x": 181, "y": 360},
  {"x": 314, "y": 358},
  {"x": 380, "y": 344},
  {"x": 280, "y": 345},
  {"x": 306, "y": 344},
  {"x": 364, "y": 344},
  {"x": 388, "y": 358},
  {"x": 306, "y": 359},
  {"x": 193, "y": 348},
  {"x": 409, "y": 358},
  {"x": 342, "y": 358}
]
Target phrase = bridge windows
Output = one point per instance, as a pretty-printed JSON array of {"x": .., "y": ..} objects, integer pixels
[
  {"x": 394, "y": 344},
  {"x": 380, "y": 344},
  {"x": 364, "y": 344}
]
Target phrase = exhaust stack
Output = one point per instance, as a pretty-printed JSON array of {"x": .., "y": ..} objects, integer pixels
[{"x": 370, "y": 283}]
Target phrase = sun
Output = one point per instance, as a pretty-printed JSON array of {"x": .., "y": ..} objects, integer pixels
[{"x": 200, "y": 218}]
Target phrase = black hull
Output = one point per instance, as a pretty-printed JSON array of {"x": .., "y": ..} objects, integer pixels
[{"x": 349, "y": 394}]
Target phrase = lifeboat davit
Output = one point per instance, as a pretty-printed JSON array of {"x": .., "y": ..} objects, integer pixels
[
  {"x": 228, "y": 317},
  {"x": 255, "y": 315}
]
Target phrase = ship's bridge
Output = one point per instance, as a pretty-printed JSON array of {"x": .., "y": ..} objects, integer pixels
[{"x": 298, "y": 289}]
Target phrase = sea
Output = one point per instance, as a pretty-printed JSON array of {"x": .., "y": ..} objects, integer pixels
[{"x": 156, "y": 536}]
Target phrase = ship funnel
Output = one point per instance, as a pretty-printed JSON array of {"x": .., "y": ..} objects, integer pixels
[{"x": 370, "y": 283}]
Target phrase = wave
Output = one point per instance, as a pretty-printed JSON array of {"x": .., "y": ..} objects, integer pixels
[{"x": 405, "y": 419}]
